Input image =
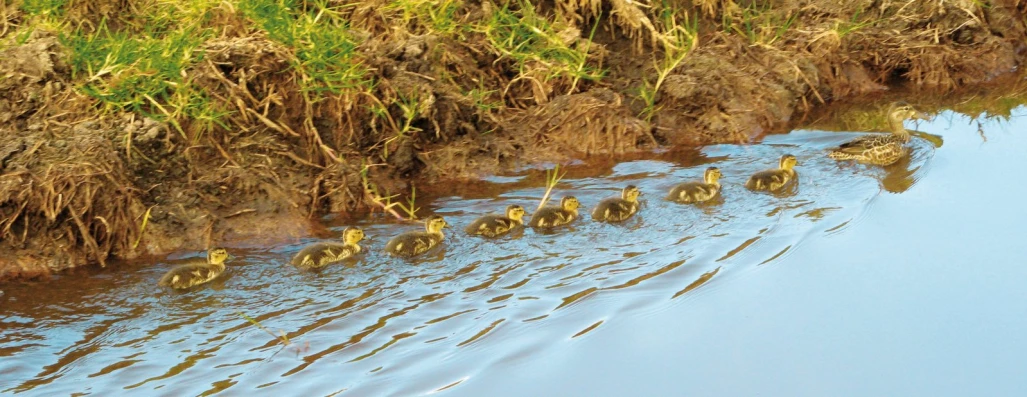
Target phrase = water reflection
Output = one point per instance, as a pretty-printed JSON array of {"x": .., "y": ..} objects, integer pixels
[{"x": 381, "y": 325}]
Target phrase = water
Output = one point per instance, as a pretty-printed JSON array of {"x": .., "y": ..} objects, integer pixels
[{"x": 755, "y": 287}]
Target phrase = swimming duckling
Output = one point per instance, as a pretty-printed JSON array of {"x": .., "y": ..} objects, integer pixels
[
  {"x": 617, "y": 209},
  {"x": 196, "y": 272},
  {"x": 697, "y": 192},
  {"x": 321, "y": 254},
  {"x": 551, "y": 216},
  {"x": 497, "y": 225},
  {"x": 416, "y": 243},
  {"x": 881, "y": 149},
  {"x": 775, "y": 179}
]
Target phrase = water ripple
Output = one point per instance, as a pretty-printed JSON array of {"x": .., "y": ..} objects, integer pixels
[{"x": 379, "y": 326}]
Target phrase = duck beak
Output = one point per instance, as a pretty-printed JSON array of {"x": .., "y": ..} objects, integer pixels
[{"x": 921, "y": 116}]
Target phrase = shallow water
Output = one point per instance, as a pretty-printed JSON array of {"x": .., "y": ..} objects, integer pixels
[{"x": 464, "y": 318}]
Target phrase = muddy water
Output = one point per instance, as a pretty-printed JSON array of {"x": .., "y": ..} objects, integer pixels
[{"x": 481, "y": 313}]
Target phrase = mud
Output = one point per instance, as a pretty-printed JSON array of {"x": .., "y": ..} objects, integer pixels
[{"x": 82, "y": 184}]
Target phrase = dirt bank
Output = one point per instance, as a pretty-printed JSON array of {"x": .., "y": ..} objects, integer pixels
[{"x": 140, "y": 127}]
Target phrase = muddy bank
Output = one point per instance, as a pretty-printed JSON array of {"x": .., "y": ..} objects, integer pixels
[{"x": 125, "y": 134}]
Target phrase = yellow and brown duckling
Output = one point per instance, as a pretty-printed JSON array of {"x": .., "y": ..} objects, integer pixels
[
  {"x": 551, "y": 216},
  {"x": 881, "y": 149},
  {"x": 697, "y": 192},
  {"x": 196, "y": 272},
  {"x": 319, "y": 255},
  {"x": 776, "y": 178},
  {"x": 416, "y": 243},
  {"x": 497, "y": 225},
  {"x": 617, "y": 209}
]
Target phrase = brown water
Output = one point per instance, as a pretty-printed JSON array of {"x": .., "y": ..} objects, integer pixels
[{"x": 466, "y": 318}]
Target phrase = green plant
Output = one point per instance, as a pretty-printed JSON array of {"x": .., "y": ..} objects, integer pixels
[
  {"x": 541, "y": 51},
  {"x": 428, "y": 16},
  {"x": 678, "y": 42},
  {"x": 760, "y": 25},
  {"x": 145, "y": 71},
  {"x": 325, "y": 50},
  {"x": 385, "y": 201},
  {"x": 553, "y": 177}
]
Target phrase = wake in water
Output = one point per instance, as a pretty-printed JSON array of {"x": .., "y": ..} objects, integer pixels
[{"x": 385, "y": 325}]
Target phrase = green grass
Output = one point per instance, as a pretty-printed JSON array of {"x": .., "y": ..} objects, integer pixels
[
  {"x": 144, "y": 66},
  {"x": 144, "y": 73},
  {"x": 678, "y": 41},
  {"x": 536, "y": 47},
  {"x": 428, "y": 16},
  {"x": 44, "y": 8},
  {"x": 553, "y": 177},
  {"x": 760, "y": 24},
  {"x": 324, "y": 47}
]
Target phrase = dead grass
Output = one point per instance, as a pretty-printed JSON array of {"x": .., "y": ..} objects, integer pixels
[{"x": 196, "y": 117}]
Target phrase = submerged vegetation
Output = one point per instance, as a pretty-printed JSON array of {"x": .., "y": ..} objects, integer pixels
[{"x": 130, "y": 127}]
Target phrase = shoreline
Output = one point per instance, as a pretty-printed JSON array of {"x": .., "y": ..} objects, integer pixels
[{"x": 256, "y": 130}]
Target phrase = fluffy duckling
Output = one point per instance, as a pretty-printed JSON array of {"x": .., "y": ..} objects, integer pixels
[
  {"x": 881, "y": 149},
  {"x": 697, "y": 192},
  {"x": 497, "y": 225},
  {"x": 415, "y": 243},
  {"x": 319, "y": 255},
  {"x": 617, "y": 209},
  {"x": 774, "y": 179},
  {"x": 196, "y": 272},
  {"x": 551, "y": 216}
]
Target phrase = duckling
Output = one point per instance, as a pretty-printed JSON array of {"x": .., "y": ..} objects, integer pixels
[
  {"x": 552, "y": 216},
  {"x": 319, "y": 255},
  {"x": 617, "y": 209},
  {"x": 775, "y": 179},
  {"x": 196, "y": 272},
  {"x": 881, "y": 149},
  {"x": 416, "y": 243},
  {"x": 697, "y": 192},
  {"x": 497, "y": 225}
]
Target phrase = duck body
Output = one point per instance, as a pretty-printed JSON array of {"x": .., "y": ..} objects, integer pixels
[
  {"x": 415, "y": 243},
  {"x": 773, "y": 180},
  {"x": 881, "y": 149},
  {"x": 319, "y": 255},
  {"x": 618, "y": 209},
  {"x": 196, "y": 272},
  {"x": 497, "y": 225},
  {"x": 552, "y": 216},
  {"x": 699, "y": 191},
  {"x": 877, "y": 149}
]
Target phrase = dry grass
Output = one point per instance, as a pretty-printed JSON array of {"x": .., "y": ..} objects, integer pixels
[{"x": 182, "y": 115}]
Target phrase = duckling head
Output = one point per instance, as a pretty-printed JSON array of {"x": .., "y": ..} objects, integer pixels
[
  {"x": 353, "y": 235},
  {"x": 515, "y": 212},
  {"x": 630, "y": 193},
  {"x": 570, "y": 203},
  {"x": 788, "y": 162},
  {"x": 901, "y": 111},
  {"x": 712, "y": 175},
  {"x": 217, "y": 256},
  {"x": 435, "y": 223}
]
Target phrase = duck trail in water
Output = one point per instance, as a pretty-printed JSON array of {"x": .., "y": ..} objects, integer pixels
[{"x": 384, "y": 325}]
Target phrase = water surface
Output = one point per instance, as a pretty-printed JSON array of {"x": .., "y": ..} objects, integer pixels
[{"x": 679, "y": 297}]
